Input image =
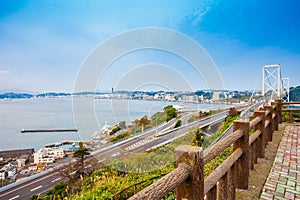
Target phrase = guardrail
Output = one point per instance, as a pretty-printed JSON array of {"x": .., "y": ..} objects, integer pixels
[{"x": 233, "y": 173}]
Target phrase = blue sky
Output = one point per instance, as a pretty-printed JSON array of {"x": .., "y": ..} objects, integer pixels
[{"x": 44, "y": 43}]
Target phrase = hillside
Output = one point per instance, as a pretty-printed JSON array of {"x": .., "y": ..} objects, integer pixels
[
  {"x": 295, "y": 93},
  {"x": 12, "y": 95}
]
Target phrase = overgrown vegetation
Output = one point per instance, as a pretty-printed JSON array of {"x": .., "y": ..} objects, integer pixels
[
  {"x": 178, "y": 123},
  {"x": 198, "y": 139},
  {"x": 214, "y": 163},
  {"x": 120, "y": 136},
  {"x": 144, "y": 121},
  {"x": 125, "y": 177},
  {"x": 158, "y": 118},
  {"x": 171, "y": 112},
  {"x": 142, "y": 124},
  {"x": 286, "y": 116},
  {"x": 233, "y": 115},
  {"x": 114, "y": 129}
]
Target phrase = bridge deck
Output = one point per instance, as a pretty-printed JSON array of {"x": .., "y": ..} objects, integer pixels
[{"x": 283, "y": 181}]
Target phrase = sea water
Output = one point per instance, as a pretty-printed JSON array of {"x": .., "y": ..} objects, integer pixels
[{"x": 58, "y": 113}]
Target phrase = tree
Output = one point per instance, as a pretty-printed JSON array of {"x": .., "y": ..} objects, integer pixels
[
  {"x": 81, "y": 153},
  {"x": 144, "y": 121},
  {"x": 178, "y": 123},
  {"x": 114, "y": 129},
  {"x": 198, "y": 140},
  {"x": 201, "y": 115},
  {"x": 171, "y": 112},
  {"x": 233, "y": 111},
  {"x": 122, "y": 124}
]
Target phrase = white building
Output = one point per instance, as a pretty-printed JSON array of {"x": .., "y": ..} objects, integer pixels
[
  {"x": 187, "y": 98},
  {"x": 21, "y": 162},
  {"x": 56, "y": 153},
  {"x": 216, "y": 96},
  {"x": 170, "y": 97},
  {"x": 201, "y": 98},
  {"x": 48, "y": 155}
]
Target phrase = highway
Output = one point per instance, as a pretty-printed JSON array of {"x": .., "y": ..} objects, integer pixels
[
  {"x": 245, "y": 114},
  {"x": 40, "y": 183}
]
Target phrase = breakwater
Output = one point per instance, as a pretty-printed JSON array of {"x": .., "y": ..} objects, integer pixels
[{"x": 48, "y": 130}]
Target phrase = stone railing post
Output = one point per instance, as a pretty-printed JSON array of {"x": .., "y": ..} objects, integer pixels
[
  {"x": 291, "y": 116},
  {"x": 279, "y": 110},
  {"x": 263, "y": 139},
  {"x": 271, "y": 125},
  {"x": 242, "y": 173},
  {"x": 193, "y": 187},
  {"x": 277, "y": 114}
]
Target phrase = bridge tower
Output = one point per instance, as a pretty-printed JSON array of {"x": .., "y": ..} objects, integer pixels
[
  {"x": 271, "y": 80},
  {"x": 273, "y": 85},
  {"x": 286, "y": 89}
]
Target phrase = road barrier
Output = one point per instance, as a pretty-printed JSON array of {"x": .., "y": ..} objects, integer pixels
[{"x": 233, "y": 173}]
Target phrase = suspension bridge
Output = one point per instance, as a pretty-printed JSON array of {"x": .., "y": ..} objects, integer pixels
[{"x": 274, "y": 86}]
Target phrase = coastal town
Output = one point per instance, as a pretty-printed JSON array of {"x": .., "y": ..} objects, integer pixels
[
  {"x": 201, "y": 96},
  {"x": 20, "y": 164}
]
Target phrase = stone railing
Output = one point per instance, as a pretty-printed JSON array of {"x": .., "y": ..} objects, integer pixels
[{"x": 233, "y": 173}]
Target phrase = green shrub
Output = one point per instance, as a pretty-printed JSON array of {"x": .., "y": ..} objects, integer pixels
[{"x": 178, "y": 123}]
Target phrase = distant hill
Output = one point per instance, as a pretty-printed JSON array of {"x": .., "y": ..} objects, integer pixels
[
  {"x": 12, "y": 95},
  {"x": 53, "y": 94},
  {"x": 295, "y": 93}
]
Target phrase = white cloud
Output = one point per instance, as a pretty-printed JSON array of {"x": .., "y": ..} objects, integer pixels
[
  {"x": 11, "y": 82},
  {"x": 4, "y": 72}
]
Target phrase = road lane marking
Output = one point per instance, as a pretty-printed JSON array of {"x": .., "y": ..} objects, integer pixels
[
  {"x": 139, "y": 143},
  {"x": 14, "y": 197},
  {"x": 38, "y": 187},
  {"x": 28, "y": 184},
  {"x": 55, "y": 180}
]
